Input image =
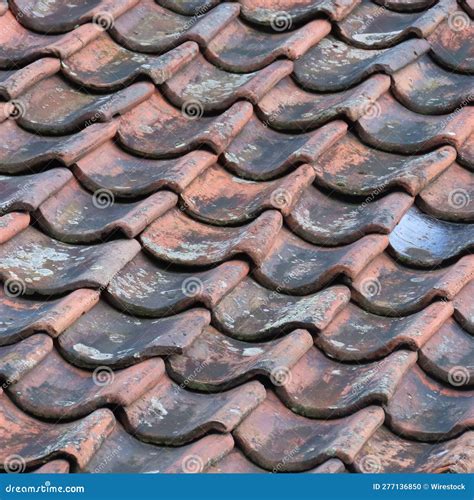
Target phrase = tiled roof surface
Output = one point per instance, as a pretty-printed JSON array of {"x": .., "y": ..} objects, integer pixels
[{"x": 236, "y": 236}]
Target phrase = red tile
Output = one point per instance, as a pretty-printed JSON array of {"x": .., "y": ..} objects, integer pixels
[
  {"x": 11, "y": 224},
  {"x": 54, "y": 467},
  {"x": 464, "y": 308}
]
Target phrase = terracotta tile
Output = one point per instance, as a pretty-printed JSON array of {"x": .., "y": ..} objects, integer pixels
[
  {"x": 240, "y": 48},
  {"x": 3, "y": 7},
  {"x": 11, "y": 224},
  {"x": 107, "y": 337},
  {"x": 57, "y": 18},
  {"x": 21, "y": 317},
  {"x": 356, "y": 335},
  {"x": 466, "y": 153},
  {"x": 149, "y": 27},
  {"x": 15, "y": 82},
  {"x": 20, "y": 150},
  {"x": 435, "y": 412},
  {"x": 170, "y": 415},
  {"x": 105, "y": 65},
  {"x": 464, "y": 308},
  {"x": 215, "y": 362},
  {"x": 326, "y": 220},
  {"x": 156, "y": 129},
  {"x": 54, "y": 467},
  {"x": 189, "y": 7},
  {"x": 19, "y": 359},
  {"x": 370, "y": 26},
  {"x": 448, "y": 356},
  {"x": 391, "y": 289},
  {"x": 332, "y": 65},
  {"x": 176, "y": 238},
  {"x": 292, "y": 265},
  {"x": 218, "y": 197},
  {"x": 350, "y": 167},
  {"x": 214, "y": 89},
  {"x": 452, "y": 48},
  {"x": 406, "y": 5},
  {"x": 74, "y": 215},
  {"x": 386, "y": 452},
  {"x": 146, "y": 288},
  {"x": 277, "y": 439},
  {"x": 54, "y": 107},
  {"x": 27, "y": 192},
  {"x": 468, "y": 6},
  {"x": 124, "y": 175},
  {"x": 420, "y": 133},
  {"x": 35, "y": 442},
  {"x": 36, "y": 263},
  {"x": 318, "y": 387},
  {"x": 281, "y": 16},
  {"x": 291, "y": 108},
  {"x": 261, "y": 153},
  {"x": 427, "y": 88},
  {"x": 421, "y": 240},
  {"x": 21, "y": 46},
  {"x": 251, "y": 312},
  {"x": 56, "y": 390},
  {"x": 121, "y": 453}
]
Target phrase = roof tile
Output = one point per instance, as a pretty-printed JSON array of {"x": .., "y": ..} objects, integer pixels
[
  {"x": 464, "y": 308},
  {"x": 11, "y": 224}
]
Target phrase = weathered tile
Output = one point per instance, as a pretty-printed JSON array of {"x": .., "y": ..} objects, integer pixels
[
  {"x": 318, "y": 387},
  {"x": 464, "y": 307},
  {"x": 28, "y": 192},
  {"x": 350, "y": 167},
  {"x": 356, "y": 335},
  {"x": 58, "y": 466},
  {"x": 11, "y": 224},
  {"x": 215, "y": 362},
  {"x": 35, "y": 442},
  {"x": 240, "y": 48},
  {"x": 427, "y": 88},
  {"x": 292, "y": 265},
  {"x": 260, "y": 153},
  {"x": 333, "y": 65},
  {"x": 277, "y": 439},
  {"x": 169, "y": 414},
  {"x": 466, "y": 153},
  {"x": 451, "y": 196},
  {"x": 288, "y": 107},
  {"x": 434, "y": 412},
  {"x": 220, "y": 198},
  {"x": 420, "y": 133},
  {"x": 35, "y": 263},
  {"x": 149, "y": 27},
  {"x": 386, "y": 452},
  {"x": 391, "y": 289},
  {"x": 107, "y": 337},
  {"x": 124, "y": 175},
  {"x": 56, "y": 389},
  {"x": 105, "y": 65},
  {"x": 146, "y": 288},
  {"x": 74, "y": 215},
  {"x": 421, "y": 240},
  {"x": 179, "y": 239},
  {"x": 406, "y": 5},
  {"x": 55, "y": 107},
  {"x": 189, "y": 7},
  {"x": 449, "y": 355},
  {"x": 156, "y": 129},
  {"x": 251, "y": 312},
  {"x": 121, "y": 453},
  {"x": 21, "y": 317},
  {"x": 327, "y": 220},
  {"x": 214, "y": 89}
]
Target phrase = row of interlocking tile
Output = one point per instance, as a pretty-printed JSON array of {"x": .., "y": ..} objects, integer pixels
[{"x": 317, "y": 406}]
